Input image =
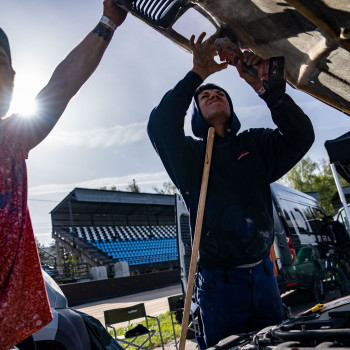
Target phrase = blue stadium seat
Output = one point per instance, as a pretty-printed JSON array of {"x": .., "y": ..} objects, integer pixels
[{"x": 138, "y": 244}]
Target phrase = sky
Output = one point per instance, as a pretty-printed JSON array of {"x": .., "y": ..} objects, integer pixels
[{"x": 101, "y": 138}]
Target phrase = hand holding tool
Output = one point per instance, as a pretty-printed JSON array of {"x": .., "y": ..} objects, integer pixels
[{"x": 271, "y": 71}]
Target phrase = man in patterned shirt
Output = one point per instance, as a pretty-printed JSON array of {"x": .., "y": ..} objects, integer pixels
[{"x": 24, "y": 306}]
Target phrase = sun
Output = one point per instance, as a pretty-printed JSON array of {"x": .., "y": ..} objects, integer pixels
[{"x": 26, "y": 88}]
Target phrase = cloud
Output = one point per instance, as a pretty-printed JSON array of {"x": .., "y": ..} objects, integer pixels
[
  {"x": 324, "y": 118},
  {"x": 145, "y": 180},
  {"x": 102, "y": 137},
  {"x": 254, "y": 116},
  {"x": 251, "y": 111}
]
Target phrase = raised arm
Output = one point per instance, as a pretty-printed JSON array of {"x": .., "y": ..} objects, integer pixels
[
  {"x": 166, "y": 127},
  {"x": 283, "y": 147},
  {"x": 166, "y": 124},
  {"x": 73, "y": 72}
]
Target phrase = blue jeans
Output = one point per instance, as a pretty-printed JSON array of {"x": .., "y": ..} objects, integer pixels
[{"x": 237, "y": 300}]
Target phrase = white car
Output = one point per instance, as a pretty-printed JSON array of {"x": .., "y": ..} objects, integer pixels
[
  {"x": 340, "y": 216},
  {"x": 67, "y": 330}
]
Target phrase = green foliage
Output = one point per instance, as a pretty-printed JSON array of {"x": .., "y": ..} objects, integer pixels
[
  {"x": 309, "y": 176},
  {"x": 302, "y": 176},
  {"x": 165, "y": 325},
  {"x": 133, "y": 187},
  {"x": 68, "y": 257},
  {"x": 168, "y": 188},
  {"x": 46, "y": 254},
  {"x": 112, "y": 188}
]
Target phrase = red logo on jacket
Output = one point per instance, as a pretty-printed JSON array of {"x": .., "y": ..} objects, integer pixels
[{"x": 242, "y": 154}]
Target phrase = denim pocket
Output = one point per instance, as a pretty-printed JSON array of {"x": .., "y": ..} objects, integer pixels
[{"x": 205, "y": 284}]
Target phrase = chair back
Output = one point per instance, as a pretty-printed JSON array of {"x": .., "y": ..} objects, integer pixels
[
  {"x": 172, "y": 301},
  {"x": 124, "y": 314}
]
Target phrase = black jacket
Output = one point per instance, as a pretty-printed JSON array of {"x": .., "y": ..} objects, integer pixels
[{"x": 238, "y": 225}]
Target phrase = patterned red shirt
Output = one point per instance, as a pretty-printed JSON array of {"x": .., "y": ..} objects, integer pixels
[{"x": 24, "y": 306}]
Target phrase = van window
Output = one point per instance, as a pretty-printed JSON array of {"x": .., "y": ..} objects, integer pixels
[
  {"x": 296, "y": 218},
  {"x": 319, "y": 215},
  {"x": 299, "y": 220},
  {"x": 303, "y": 217},
  {"x": 291, "y": 227},
  {"x": 309, "y": 217},
  {"x": 312, "y": 220}
]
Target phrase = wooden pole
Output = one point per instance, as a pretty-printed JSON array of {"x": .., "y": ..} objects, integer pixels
[{"x": 197, "y": 238}]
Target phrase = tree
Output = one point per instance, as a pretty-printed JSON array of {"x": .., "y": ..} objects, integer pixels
[
  {"x": 112, "y": 188},
  {"x": 133, "y": 187},
  {"x": 326, "y": 186},
  {"x": 47, "y": 255},
  {"x": 302, "y": 176},
  {"x": 309, "y": 176},
  {"x": 168, "y": 188}
]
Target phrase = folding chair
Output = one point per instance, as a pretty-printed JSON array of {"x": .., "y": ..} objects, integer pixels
[
  {"x": 115, "y": 316},
  {"x": 175, "y": 307}
]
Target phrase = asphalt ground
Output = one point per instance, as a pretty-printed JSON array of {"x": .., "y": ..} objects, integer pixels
[{"x": 156, "y": 302}]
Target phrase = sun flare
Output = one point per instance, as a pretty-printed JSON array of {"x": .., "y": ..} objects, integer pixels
[
  {"x": 23, "y": 104},
  {"x": 26, "y": 88}
]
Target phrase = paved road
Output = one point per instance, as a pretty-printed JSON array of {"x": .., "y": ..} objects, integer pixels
[{"x": 156, "y": 302}]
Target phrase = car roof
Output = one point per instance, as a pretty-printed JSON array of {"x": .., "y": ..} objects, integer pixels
[{"x": 313, "y": 36}]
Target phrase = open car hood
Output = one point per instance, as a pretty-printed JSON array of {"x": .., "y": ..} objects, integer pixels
[{"x": 312, "y": 35}]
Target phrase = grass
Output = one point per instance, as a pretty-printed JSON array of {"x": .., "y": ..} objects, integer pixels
[{"x": 165, "y": 325}]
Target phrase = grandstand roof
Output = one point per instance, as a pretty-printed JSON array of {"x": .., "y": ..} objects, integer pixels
[{"x": 82, "y": 201}]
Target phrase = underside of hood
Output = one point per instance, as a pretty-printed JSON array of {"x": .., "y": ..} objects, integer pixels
[{"x": 312, "y": 35}]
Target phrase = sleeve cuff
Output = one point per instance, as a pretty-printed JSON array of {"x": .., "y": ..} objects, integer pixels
[
  {"x": 197, "y": 80},
  {"x": 273, "y": 101}
]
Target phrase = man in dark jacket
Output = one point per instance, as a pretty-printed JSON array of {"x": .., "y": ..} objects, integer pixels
[{"x": 235, "y": 287}]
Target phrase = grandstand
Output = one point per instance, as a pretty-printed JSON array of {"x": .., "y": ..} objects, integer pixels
[{"x": 103, "y": 227}]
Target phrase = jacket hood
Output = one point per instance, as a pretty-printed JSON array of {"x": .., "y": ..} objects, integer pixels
[{"x": 199, "y": 126}]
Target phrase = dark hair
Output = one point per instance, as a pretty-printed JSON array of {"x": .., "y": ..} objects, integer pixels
[
  {"x": 199, "y": 126},
  {"x": 211, "y": 86},
  {"x": 4, "y": 43}
]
